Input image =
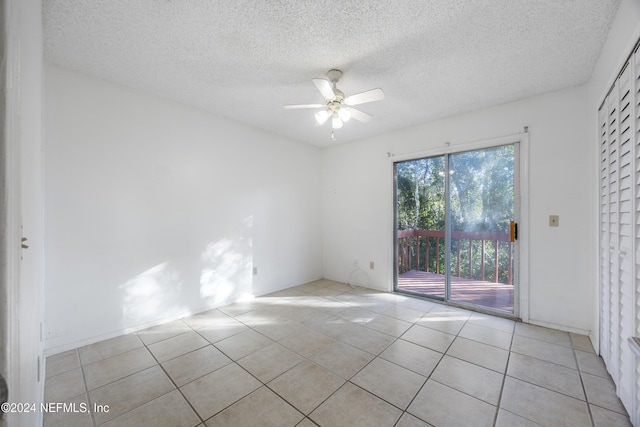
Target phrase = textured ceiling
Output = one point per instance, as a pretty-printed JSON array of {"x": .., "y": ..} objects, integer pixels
[{"x": 246, "y": 59}]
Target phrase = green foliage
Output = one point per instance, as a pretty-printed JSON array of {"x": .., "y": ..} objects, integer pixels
[
  {"x": 482, "y": 189},
  {"x": 420, "y": 193}
]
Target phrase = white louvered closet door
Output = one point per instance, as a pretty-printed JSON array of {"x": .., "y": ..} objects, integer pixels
[{"x": 619, "y": 228}]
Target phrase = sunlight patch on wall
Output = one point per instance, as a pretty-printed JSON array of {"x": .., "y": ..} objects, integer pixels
[
  {"x": 226, "y": 273},
  {"x": 152, "y": 294}
]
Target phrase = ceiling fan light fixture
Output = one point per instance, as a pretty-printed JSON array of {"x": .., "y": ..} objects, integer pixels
[
  {"x": 336, "y": 123},
  {"x": 337, "y": 106},
  {"x": 345, "y": 114},
  {"x": 322, "y": 116}
]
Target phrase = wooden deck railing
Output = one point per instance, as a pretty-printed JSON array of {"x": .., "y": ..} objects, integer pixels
[{"x": 410, "y": 256}]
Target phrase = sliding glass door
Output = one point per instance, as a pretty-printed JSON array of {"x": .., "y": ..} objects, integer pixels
[
  {"x": 456, "y": 229},
  {"x": 421, "y": 223}
]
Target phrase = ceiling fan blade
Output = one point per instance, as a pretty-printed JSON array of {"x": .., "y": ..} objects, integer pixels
[
  {"x": 298, "y": 106},
  {"x": 325, "y": 89},
  {"x": 363, "y": 97},
  {"x": 361, "y": 116}
]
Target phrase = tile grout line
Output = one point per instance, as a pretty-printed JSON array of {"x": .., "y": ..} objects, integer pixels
[
  {"x": 308, "y": 358},
  {"x": 86, "y": 387},
  {"x": 375, "y": 356},
  {"x": 146, "y": 346},
  {"x": 577, "y": 369},
  {"x": 504, "y": 378},
  {"x": 243, "y": 368},
  {"x": 84, "y": 383},
  {"x": 434, "y": 368},
  {"x": 346, "y": 380},
  {"x": 170, "y": 379},
  {"x": 233, "y": 361},
  {"x": 440, "y": 360},
  {"x": 584, "y": 388}
]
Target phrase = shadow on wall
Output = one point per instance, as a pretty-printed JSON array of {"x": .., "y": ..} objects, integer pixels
[{"x": 217, "y": 274}]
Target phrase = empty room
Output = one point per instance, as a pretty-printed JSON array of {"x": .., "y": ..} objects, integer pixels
[{"x": 320, "y": 213}]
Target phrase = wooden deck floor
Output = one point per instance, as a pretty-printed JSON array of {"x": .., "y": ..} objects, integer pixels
[{"x": 486, "y": 294}]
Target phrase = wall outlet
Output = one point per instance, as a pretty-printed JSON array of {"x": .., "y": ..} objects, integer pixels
[
  {"x": 554, "y": 220},
  {"x": 371, "y": 265}
]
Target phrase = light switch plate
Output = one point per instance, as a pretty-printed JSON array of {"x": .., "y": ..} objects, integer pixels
[{"x": 554, "y": 220}]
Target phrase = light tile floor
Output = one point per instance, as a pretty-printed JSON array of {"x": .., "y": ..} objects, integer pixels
[{"x": 328, "y": 354}]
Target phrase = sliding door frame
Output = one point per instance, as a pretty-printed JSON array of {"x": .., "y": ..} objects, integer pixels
[{"x": 521, "y": 207}]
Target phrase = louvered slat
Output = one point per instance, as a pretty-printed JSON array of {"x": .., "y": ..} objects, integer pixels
[
  {"x": 613, "y": 285},
  {"x": 604, "y": 232},
  {"x": 634, "y": 131},
  {"x": 626, "y": 365}
]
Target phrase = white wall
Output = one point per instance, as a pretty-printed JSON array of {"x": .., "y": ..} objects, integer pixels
[
  {"x": 155, "y": 210},
  {"x": 358, "y": 192},
  {"x": 623, "y": 35}
]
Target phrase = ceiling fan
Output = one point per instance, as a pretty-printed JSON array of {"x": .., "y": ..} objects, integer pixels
[{"x": 337, "y": 106}]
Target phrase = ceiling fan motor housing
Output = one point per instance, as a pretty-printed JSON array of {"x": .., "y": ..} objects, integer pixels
[{"x": 333, "y": 106}]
